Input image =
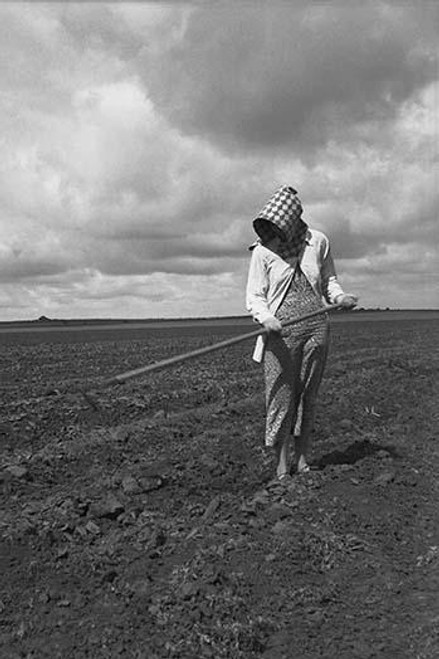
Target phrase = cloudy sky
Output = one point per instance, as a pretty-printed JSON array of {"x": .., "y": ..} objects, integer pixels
[{"x": 138, "y": 141}]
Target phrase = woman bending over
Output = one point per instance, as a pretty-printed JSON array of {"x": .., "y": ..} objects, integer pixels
[{"x": 291, "y": 274}]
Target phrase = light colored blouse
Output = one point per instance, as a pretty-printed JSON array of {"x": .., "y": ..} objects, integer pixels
[{"x": 270, "y": 276}]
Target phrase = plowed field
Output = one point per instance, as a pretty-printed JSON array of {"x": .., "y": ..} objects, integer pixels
[{"x": 149, "y": 528}]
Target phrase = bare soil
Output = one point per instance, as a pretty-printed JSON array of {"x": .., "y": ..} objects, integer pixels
[{"x": 150, "y": 529}]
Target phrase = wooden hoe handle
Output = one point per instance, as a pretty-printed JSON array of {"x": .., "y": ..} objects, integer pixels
[{"x": 178, "y": 359}]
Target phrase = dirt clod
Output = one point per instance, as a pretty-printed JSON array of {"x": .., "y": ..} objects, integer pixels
[
  {"x": 108, "y": 507},
  {"x": 384, "y": 479},
  {"x": 17, "y": 471},
  {"x": 130, "y": 485}
]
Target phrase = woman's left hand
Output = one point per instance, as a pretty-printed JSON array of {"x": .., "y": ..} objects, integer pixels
[{"x": 347, "y": 301}]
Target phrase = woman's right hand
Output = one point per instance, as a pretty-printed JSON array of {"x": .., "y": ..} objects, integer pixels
[
  {"x": 272, "y": 325},
  {"x": 347, "y": 301}
]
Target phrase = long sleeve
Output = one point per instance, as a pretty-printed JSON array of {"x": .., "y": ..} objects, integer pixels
[
  {"x": 331, "y": 288},
  {"x": 257, "y": 288}
]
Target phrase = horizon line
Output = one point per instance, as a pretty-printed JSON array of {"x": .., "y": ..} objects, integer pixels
[{"x": 45, "y": 319}]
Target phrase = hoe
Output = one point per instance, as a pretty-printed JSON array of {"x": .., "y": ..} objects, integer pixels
[{"x": 178, "y": 359}]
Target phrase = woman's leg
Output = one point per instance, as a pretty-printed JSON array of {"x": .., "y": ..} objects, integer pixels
[
  {"x": 313, "y": 365},
  {"x": 282, "y": 453},
  {"x": 281, "y": 370}
]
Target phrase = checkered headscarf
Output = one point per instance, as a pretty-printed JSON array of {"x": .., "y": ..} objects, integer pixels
[{"x": 284, "y": 210}]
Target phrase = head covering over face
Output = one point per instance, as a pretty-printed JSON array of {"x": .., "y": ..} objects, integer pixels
[{"x": 284, "y": 211}]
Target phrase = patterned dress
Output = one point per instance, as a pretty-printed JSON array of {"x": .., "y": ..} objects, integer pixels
[{"x": 294, "y": 361}]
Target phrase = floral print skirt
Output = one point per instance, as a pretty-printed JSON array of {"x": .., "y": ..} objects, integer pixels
[{"x": 294, "y": 362}]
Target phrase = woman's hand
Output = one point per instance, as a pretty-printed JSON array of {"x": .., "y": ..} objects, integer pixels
[
  {"x": 347, "y": 301},
  {"x": 272, "y": 325}
]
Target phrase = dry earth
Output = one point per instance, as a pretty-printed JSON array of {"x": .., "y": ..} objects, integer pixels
[{"x": 149, "y": 529}]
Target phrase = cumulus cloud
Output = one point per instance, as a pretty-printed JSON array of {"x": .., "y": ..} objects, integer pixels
[{"x": 139, "y": 141}]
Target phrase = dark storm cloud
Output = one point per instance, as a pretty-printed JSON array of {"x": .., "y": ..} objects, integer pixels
[{"x": 268, "y": 76}]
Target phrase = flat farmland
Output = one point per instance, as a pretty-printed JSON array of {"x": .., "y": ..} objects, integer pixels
[{"x": 149, "y": 527}]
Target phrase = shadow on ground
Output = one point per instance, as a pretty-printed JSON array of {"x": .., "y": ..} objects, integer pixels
[{"x": 354, "y": 453}]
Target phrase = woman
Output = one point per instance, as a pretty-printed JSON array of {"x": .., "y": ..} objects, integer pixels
[{"x": 291, "y": 274}]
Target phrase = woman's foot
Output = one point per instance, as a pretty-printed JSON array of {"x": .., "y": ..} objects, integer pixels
[{"x": 301, "y": 451}]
